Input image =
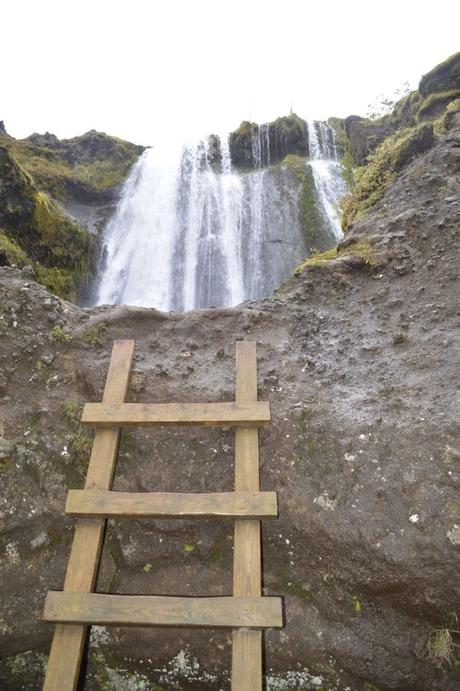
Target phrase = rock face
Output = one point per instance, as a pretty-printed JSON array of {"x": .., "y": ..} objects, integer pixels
[
  {"x": 443, "y": 77},
  {"x": 357, "y": 357},
  {"x": 435, "y": 91},
  {"x": 285, "y": 135},
  {"x": 54, "y": 196}
]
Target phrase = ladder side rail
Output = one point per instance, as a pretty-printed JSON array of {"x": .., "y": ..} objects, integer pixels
[
  {"x": 67, "y": 647},
  {"x": 247, "y": 576}
]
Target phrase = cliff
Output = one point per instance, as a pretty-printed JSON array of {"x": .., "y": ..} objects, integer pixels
[
  {"x": 357, "y": 357},
  {"x": 54, "y": 197}
]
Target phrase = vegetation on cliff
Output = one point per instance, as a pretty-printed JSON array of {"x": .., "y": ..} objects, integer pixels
[
  {"x": 316, "y": 234},
  {"x": 37, "y": 175},
  {"x": 381, "y": 147},
  {"x": 89, "y": 166},
  {"x": 286, "y": 135}
]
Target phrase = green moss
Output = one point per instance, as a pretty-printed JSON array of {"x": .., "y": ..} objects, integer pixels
[
  {"x": 372, "y": 179},
  {"x": 316, "y": 259},
  {"x": 81, "y": 439},
  {"x": 287, "y": 135},
  {"x": 450, "y": 115},
  {"x": 356, "y": 604},
  {"x": 436, "y": 103},
  {"x": 362, "y": 249},
  {"x": 371, "y": 182},
  {"x": 442, "y": 77},
  {"x": 300, "y": 590},
  {"x": 23, "y": 671},
  {"x": 59, "y": 335},
  {"x": 95, "y": 335},
  {"x": 61, "y": 282},
  {"x": 5, "y": 465},
  {"x": 31, "y": 170},
  {"x": 72, "y": 411},
  {"x": 312, "y": 223},
  {"x": 64, "y": 242},
  {"x": 90, "y": 164},
  {"x": 11, "y": 253},
  {"x": 441, "y": 647},
  {"x": 80, "y": 446}
]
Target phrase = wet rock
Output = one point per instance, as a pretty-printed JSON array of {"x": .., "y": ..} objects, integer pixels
[
  {"x": 6, "y": 449},
  {"x": 48, "y": 358},
  {"x": 362, "y": 450},
  {"x": 41, "y": 540}
]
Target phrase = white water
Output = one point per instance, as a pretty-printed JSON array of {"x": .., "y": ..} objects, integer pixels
[
  {"x": 327, "y": 172},
  {"x": 189, "y": 233}
]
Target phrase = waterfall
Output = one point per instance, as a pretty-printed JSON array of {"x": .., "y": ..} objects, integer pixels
[
  {"x": 191, "y": 232},
  {"x": 327, "y": 172}
]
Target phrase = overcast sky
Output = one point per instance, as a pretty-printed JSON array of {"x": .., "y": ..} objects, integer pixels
[{"x": 147, "y": 70}]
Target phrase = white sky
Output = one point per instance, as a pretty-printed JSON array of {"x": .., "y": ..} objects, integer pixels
[{"x": 147, "y": 70}]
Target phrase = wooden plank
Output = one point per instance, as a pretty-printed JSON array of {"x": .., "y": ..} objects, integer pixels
[
  {"x": 247, "y": 414},
  {"x": 159, "y": 610},
  {"x": 247, "y": 645},
  {"x": 67, "y": 646},
  {"x": 171, "y": 505}
]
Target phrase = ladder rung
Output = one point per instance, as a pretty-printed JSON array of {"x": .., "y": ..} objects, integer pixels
[
  {"x": 158, "y": 610},
  {"x": 245, "y": 414},
  {"x": 100, "y": 503}
]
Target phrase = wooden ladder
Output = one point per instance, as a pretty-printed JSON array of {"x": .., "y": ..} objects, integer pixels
[{"x": 247, "y": 612}]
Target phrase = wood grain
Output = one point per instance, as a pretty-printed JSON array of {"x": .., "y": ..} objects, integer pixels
[
  {"x": 68, "y": 640},
  {"x": 158, "y": 610},
  {"x": 104, "y": 503},
  {"x": 247, "y": 645},
  {"x": 247, "y": 414}
]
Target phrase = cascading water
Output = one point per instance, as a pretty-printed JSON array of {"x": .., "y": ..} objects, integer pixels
[
  {"x": 191, "y": 232},
  {"x": 327, "y": 172}
]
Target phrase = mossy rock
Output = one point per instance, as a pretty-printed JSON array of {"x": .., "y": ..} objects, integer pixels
[
  {"x": 317, "y": 234},
  {"x": 435, "y": 104},
  {"x": 286, "y": 135},
  {"x": 372, "y": 179},
  {"x": 62, "y": 241},
  {"x": 89, "y": 167},
  {"x": 61, "y": 282},
  {"x": 451, "y": 117},
  {"x": 407, "y": 146},
  {"x": 361, "y": 249},
  {"x": 35, "y": 230},
  {"x": 11, "y": 254},
  {"x": 443, "y": 77}
]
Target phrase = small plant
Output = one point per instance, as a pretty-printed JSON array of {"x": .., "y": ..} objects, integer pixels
[
  {"x": 441, "y": 645},
  {"x": 188, "y": 548},
  {"x": 95, "y": 336},
  {"x": 72, "y": 411},
  {"x": 80, "y": 445},
  {"x": 362, "y": 249},
  {"x": 81, "y": 441},
  {"x": 356, "y": 604},
  {"x": 59, "y": 335}
]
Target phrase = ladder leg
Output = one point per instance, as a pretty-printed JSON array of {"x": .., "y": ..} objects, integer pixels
[
  {"x": 68, "y": 641},
  {"x": 247, "y": 645}
]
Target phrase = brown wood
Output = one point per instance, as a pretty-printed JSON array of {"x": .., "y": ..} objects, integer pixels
[
  {"x": 247, "y": 414},
  {"x": 247, "y": 645},
  {"x": 68, "y": 640},
  {"x": 157, "y": 610},
  {"x": 246, "y": 612},
  {"x": 171, "y": 505}
]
